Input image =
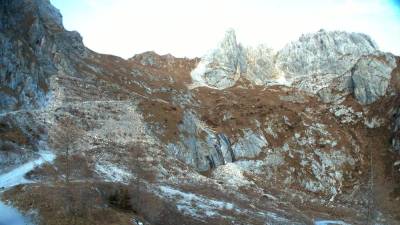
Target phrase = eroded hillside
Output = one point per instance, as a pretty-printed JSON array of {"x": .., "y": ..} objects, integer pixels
[{"x": 240, "y": 136}]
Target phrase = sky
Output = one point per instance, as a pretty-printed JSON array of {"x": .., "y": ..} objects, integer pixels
[{"x": 189, "y": 28}]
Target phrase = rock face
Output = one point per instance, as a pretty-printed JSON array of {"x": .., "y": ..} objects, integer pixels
[
  {"x": 240, "y": 136},
  {"x": 35, "y": 46},
  {"x": 329, "y": 64},
  {"x": 221, "y": 68},
  {"x": 261, "y": 68},
  {"x": 371, "y": 77},
  {"x": 324, "y": 53},
  {"x": 321, "y": 63}
]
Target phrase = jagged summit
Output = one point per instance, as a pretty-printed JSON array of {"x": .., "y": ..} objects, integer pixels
[
  {"x": 322, "y": 63},
  {"x": 221, "y": 68},
  {"x": 324, "y": 52},
  {"x": 162, "y": 140}
]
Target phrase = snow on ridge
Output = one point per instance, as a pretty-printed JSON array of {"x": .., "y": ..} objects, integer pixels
[{"x": 16, "y": 176}]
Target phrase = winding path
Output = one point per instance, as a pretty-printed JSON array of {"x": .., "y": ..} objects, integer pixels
[{"x": 8, "y": 214}]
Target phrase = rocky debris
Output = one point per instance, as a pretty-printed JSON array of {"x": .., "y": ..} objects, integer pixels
[
  {"x": 374, "y": 122},
  {"x": 346, "y": 114},
  {"x": 232, "y": 174},
  {"x": 240, "y": 150}
]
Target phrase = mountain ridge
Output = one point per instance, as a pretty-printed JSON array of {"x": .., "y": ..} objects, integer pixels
[{"x": 148, "y": 144}]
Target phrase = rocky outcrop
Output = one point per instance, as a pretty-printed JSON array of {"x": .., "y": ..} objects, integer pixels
[
  {"x": 201, "y": 153},
  {"x": 331, "y": 64},
  {"x": 241, "y": 151},
  {"x": 35, "y": 46},
  {"x": 395, "y": 111},
  {"x": 323, "y": 53},
  {"x": 335, "y": 64},
  {"x": 221, "y": 68},
  {"x": 371, "y": 77},
  {"x": 205, "y": 149},
  {"x": 261, "y": 68},
  {"x": 250, "y": 145}
]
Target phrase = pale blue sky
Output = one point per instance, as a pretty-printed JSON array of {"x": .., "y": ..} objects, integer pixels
[{"x": 191, "y": 27}]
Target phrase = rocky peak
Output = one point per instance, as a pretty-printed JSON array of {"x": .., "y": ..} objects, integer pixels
[
  {"x": 261, "y": 68},
  {"x": 151, "y": 58},
  {"x": 221, "y": 67},
  {"x": 324, "y": 52},
  {"x": 35, "y": 47},
  {"x": 23, "y": 13},
  {"x": 252, "y": 153},
  {"x": 321, "y": 63},
  {"x": 148, "y": 58},
  {"x": 50, "y": 15}
]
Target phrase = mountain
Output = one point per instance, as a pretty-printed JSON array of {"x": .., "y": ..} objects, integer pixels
[{"x": 308, "y": 134}]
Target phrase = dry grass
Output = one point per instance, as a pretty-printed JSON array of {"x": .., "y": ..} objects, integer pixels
[
  {"x": 164, "y": 116},
  {"x": 14, "y": 135},
  {"x": 59, "y": 204}
]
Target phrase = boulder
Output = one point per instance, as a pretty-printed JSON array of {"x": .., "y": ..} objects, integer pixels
[{"x": 371, "y": 77}]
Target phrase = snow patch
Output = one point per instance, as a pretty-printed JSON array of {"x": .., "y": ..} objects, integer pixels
[
  {"x": 112, "y": 172},
  {"x": 281, "y": 80},
  {"x": 16, "y": 176},
  {"x": 10, "y": 215},
  {"x": 194, "y": 205},
  {"x": 330, "y": 222}
]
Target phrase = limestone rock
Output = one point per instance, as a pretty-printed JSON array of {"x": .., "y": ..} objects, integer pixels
[
  {"x": 331, "y": 64},
  {"x": 249, "y": 153},
  {"x": 203, "y": 154},
  {"x": 371, "y": 77},
  {"x": 324, "y": 53},
  {"x": 221, "y": 68},
  {"x": 250, "y": 145},
  {"x": 35, "y": 46},
  {"x": 321, "y": 62},
  {"x": 261, "y": 68}
]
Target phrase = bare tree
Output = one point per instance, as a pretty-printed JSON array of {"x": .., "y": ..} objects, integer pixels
[{"x": 62, "y": 138}]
